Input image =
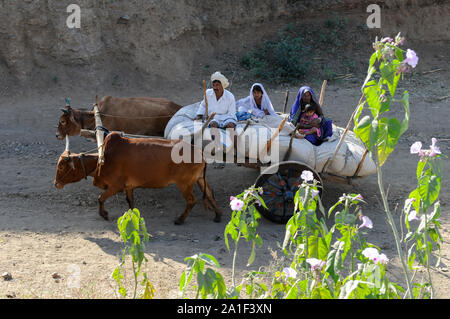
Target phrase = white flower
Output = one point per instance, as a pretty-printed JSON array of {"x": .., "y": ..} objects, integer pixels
[
  {"x": 412, "y": 215},
  {"x": 307, "y": 176},
  {"x": 236, "y": 204},
  {"x": 433, "y": 148},
  {"x": 375, "y": 256},
  {"x": 382, "y": 259},
  {"x": 366, "y": 222},
  {"x": 370, "y": 252},
  {"x": 416, "y": 148},
  {"x": 409, "y": 201},
  {"x": 315, "y": 263},
  {"x": 290, "y": 273},
  {"x": 411, "y": 58}
]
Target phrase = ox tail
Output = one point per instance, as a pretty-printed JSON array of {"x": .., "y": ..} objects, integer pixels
[
  {"x": 205, "y": 200},
  {"x": 204, "y": 181}
]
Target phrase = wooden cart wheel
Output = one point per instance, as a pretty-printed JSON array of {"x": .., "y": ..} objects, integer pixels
[{"x": 280, "y": 182}]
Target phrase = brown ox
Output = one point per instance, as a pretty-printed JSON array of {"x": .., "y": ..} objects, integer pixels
[
  {"x": 137, "y": 115},
  {"x": 138, "y": 163}
]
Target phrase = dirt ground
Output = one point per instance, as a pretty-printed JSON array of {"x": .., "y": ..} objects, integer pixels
[{"x": 44, "y": 230}]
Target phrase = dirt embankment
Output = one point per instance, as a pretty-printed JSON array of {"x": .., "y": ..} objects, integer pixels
[
  {"x": 143, "y": 43},
  {"x": 45, "y": 231}
]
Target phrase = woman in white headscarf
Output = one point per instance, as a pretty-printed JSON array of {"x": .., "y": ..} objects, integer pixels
[{"x": 257, "y": 103}]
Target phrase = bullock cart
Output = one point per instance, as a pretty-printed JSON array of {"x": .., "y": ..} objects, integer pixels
[{"x": 343, "y": 158}]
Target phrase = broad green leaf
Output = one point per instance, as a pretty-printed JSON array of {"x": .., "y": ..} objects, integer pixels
[
  {"x": 389, "y": 134},
  {"x": 373, "y": 100},
  {"x": 436, "y": 167},
  {"x": 372, "y": 60},
  {"x": 334, "y": 260},
  {"x": 362, "y": 129},
  {"x": 399, "y": 54},
  {"x": 370, "y": 72},
  {"x": 390, "y": 76},
  {"x": 183, "y": 282},
  {"x": 332, "y": 264},
  {"x": 374, "y": 132},
  {"x": 429, "y": 188},
  {"x": 211, "y": 260},
  {"x": 417, "y": 199},
  {"x": 220, "y": 286},
  {"x": 323, "y": 248},
  {"x": 243, "y": 228},
  {"x": 405, "y": 102},
  {"x": 313, "y": 247},
  {"x": 251, "y": 259},
  {"x": 321, "y": 293},
  {"x": 387, "y": 72},
  {"x": 420, "y": 167},
  {"x": 292, "y": 292}
]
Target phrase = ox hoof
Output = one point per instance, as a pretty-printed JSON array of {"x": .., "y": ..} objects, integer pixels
[
  {"x": 179, "y": 221},
  {"x": 104, "y": 215},
  {"x": 217, "y": 219}
]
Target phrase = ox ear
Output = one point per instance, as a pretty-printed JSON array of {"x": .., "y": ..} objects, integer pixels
[{"x": 65, "y": 111}]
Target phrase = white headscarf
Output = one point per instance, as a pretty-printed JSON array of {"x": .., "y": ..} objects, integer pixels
[
  {"x": 265, "y": 102},
  {"x": 217, "y": 76}
]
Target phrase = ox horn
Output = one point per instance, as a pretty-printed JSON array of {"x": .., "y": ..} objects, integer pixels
[{"x": 67, "y": 109}]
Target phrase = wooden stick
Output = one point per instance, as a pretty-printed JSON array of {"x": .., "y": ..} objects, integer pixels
[
  {"x": 432, "y": 71},
  {"x": 285, "y": 101},
  {"x": 322, "y": 92},
  {"x": 361, "y": 163},
  {"x": 206, "y": 100},
  {"x": 443, "y": 97},
  {"x": 288, "y": 152},
  {"x": 269, "y": 143},
  {"x": 343, "y": 76},
  {"x": 99, "y": 134},
  {"x": 245, "y": 127},
  {"x": 328, "y": 163},
  {"x": 209, "y": 119}
]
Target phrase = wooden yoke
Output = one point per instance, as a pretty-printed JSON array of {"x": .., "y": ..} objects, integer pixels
[
  {"x": 206, "y": 100},
  {"x": 274, "y": 135},
  {"x": 99, "y": 135}
]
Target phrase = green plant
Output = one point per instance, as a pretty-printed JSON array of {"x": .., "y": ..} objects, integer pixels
[
  {"x": 276, "y": 61},
  {"x": 243, "y": 223},
  {"x": 134, "y": 235},
  {"x": 380, "y": 132},
  {"x": 425, "y": 196},
  {"x": 209, "y": 282}
]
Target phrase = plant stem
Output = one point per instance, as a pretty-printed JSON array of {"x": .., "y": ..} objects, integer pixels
[
  {"x": 391, "y": 221},
  {"x": 135, "y": 280},
  {"x": 427, "y": 264},
  {"x": 234, "y": 259}
]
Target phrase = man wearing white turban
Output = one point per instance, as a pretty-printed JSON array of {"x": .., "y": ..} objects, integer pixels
[
  {"x": 257, "y": 103},
  {"x": 220, "y": 101}
]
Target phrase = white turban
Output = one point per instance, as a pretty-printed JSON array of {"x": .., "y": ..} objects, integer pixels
[{"x": 217, "y": 76}]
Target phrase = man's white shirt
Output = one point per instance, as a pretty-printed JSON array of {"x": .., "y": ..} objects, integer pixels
[{"x": 224, "y": 107}]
